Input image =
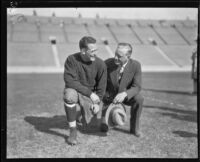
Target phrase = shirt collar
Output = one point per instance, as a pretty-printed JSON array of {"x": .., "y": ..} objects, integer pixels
[{"x": 123, "y": 66}]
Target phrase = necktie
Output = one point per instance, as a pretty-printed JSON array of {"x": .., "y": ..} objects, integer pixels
[{"x": 121, "y": 73}]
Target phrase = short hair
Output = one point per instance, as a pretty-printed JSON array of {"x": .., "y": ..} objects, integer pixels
[
  {"x": 85, "y": 41},
  {"x": 126, "y": 45}
]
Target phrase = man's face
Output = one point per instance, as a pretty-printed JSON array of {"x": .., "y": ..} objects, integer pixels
[
  {"x": 121, "y": 55},
  {"x": 91, "y": 51}
]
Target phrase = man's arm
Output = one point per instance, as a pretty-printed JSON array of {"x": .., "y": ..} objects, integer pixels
[
  {"x": 71, "y": 79},
  {"x": 101, "y": 81},
  {"x": 136, "y": 83}
]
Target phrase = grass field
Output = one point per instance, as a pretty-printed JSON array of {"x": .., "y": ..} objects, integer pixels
[{"x": 37, "y": 127}]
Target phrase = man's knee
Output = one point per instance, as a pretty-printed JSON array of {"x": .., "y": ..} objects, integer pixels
[
  {"x": 138, "y": 98},
  {"x": 70, "y": 96}
]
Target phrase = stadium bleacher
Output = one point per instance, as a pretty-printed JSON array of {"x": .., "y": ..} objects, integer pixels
[
  {"x": 101, "y": 31},
  {"x": 124, "y": 34},
  {"x": 25, "y": 32},
  {"x": 82, "y": 21},
  {"x": 28, "y": 40},
  {"x": 146, "y": 23},
  {"x": 125, "y": 22},
  {"x": 145, "y": 33},
  {"x": 180, "y": 54},
  {"x": 190, "y": 23},
  {"x": 105, "y": 21},
  {"x": 75, "y": 32},
  {"x": 190, "y": 33},
  {"x": 55, "y": 30},
  {"x": 171, "y": 23},
  {"x": 170, "y": 35},
  {"x": 148, "y": 56}
]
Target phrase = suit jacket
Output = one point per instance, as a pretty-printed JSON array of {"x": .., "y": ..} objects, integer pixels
[{"x": 130, "y": 82}]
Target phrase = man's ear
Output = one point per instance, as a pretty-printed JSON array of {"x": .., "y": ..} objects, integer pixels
[
  {"x": 128, "y": 55},
  {"x": 83, "y": 50}
]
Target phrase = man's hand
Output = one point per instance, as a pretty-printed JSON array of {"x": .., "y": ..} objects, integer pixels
[
  {"x": 95, "y": 99},
  {"x": 95, "y": 108},
  {"x": 120, "y": 97}
]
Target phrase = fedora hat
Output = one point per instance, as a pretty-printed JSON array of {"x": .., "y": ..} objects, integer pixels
[{"x": 115, "y": 115}]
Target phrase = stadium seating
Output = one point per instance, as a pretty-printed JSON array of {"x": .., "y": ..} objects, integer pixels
[
  {"x": 124, "y": 34},
  {"x": 25, "y": 37},
  {"x": 56, "y": 20},
  {"x": 29, "y": 54},
  {"x": 190, "y": 23},
  {"x": 170, "y": 35},
  {"x": 190, "y": 33},
  {"x": 148, "y": 55},
  {"x": 43, "y": 19},
  {"x": 145, "y": 33},
  {"x": 75, "y": 28},
  {"x": 55, "y": 30},
  {"x": 101, "y": 31},
  {"x": 180, "y": 54},
  {"x": 145, "y": 23},
  {"x": 68, "y": 20},
  {"x": 32, "y": 19},
  {"x": 84, "y": 21},
  {"x": 28, "y": 44},
  {"x": 125, "y": 22},
  {"x": 25, "y": 32},
  {"x": 24, "y": 26},
  {"x": 171, "y": 23},
  {"x": 75, "y": 32},
  {"x": 105, "y": 21}
]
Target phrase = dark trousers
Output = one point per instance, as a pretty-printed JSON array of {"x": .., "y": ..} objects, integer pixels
[{"x": 136, "y": 104}]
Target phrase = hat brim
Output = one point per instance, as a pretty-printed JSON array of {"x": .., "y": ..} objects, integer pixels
[{"x": 108, "y": 116}]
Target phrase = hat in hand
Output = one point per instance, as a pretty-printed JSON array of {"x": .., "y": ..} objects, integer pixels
[{"x": 115, "y": 115}]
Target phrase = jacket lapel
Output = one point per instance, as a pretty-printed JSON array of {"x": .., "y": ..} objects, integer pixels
[
  {"x": 114, "y": 77},
  {"x": 125, "y": 76}
]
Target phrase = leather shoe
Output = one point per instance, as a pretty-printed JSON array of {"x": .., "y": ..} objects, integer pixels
[
  {"x": 136, "y": 133},
  {"x": 72, "y": 139},
  {"x": 103, "y": 127}
]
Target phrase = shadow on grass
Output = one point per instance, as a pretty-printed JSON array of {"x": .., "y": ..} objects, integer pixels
[
  {"x": 170, "y": 92},
  {"x": 121, "y": 130},
  {"x": 93, "y": 128},
  {"x": 185, "y": 134},
  {"x": 186, "y": 115},
  {"x": 46, "y": 124}
]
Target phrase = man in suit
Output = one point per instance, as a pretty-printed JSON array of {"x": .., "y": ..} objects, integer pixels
[
  {"x": 85, "y": 77},
  {"x": 124, "y": 85}
]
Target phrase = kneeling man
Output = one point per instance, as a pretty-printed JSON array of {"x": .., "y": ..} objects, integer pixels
[
  {"x": 85, "y": 77},
  {"x": 124, "y": 86}
]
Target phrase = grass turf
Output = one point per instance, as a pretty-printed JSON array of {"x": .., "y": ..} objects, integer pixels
[{"x": 37, "y": 128}]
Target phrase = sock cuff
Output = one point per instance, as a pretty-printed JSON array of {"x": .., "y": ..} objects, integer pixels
[
  {"x": 72, "y": 124},
  {"x": 69, "y": 105}
]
